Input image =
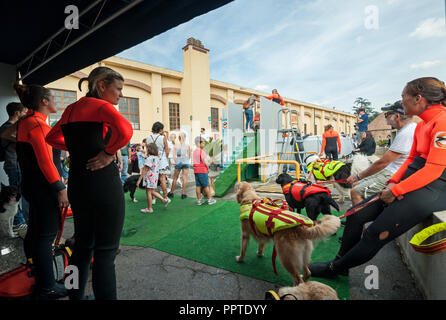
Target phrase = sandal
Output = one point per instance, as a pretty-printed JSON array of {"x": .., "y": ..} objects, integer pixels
[
  {"x": 166, "y": 202},
  {"x": 147, "y": 210}
]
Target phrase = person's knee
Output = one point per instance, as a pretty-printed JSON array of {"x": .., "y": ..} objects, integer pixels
[{"x": 355, "y": 196}]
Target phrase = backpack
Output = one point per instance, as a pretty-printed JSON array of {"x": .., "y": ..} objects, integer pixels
[{"x": 134, "y": 153}]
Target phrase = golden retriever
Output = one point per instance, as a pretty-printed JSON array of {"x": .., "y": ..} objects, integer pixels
[
  {"x": 310, "y": 290},
  {"x": 293, "y": 245}
]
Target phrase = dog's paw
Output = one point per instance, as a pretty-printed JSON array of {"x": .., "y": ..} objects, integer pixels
[{"x": 238, "y": 259}]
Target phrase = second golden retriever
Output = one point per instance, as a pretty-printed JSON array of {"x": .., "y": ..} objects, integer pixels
[{"x": 293, "y": 245}]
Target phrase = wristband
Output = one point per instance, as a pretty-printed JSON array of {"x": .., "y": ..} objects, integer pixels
[{"x": 357, "y": 177}]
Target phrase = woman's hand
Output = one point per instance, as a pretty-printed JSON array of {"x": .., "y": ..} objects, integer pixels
[
  {"x": 100, "y": 161},
  {"x": 387, "y": 196},
  {"x": 62, "y": 197}
]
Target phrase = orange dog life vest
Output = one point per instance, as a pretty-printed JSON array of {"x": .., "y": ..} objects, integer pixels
[{"x": 300, "y": 190}]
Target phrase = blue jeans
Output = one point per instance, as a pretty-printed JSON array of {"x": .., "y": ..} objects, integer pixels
[
  {"x": 64, "y": 171},
  {"x": 249, "y": 115},
  {"x": 125, "y": 167},
  {"x": 15, "y": 179}
]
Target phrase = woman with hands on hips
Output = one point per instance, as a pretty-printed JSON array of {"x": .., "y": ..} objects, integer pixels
[{"x": 93, "y": 131}]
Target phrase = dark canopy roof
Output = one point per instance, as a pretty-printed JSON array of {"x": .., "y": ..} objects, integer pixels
[{"x": 106, "y": 27}]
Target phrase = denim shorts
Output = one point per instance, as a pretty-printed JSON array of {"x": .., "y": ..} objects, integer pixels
[
  {"x": 180, "y": 166},
  {"x": 201, "y": 180}
]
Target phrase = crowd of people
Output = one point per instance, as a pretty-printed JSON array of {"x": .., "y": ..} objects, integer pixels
[{"x": 97, "y": 139}]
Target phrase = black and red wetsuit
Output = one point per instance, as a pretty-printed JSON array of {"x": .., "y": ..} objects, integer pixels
[
  {"x": 331, "y": 143},
  {"x": 421, "y": 181},
  {"x": 40, "y": 185},
  {"x": 86, "y": 128}
]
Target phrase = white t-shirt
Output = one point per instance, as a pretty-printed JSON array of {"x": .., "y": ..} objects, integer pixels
[
  {"x": 170, "y": 146},
  {"x": 402, "y": 144}
]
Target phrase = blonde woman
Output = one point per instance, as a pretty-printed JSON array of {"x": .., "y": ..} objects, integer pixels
[
  {"x": 181, "y": 160},
  {"x": 93, "y": 131}
]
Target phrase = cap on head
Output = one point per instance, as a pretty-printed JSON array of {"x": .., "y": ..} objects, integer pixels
[{"x": 395, "y": 107}]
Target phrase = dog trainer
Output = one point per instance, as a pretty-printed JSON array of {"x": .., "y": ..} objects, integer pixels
[
  {"x": 92, "y": 130},
  {"x": 413, "y": 193}
]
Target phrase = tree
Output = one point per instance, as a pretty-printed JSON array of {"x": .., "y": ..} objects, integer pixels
[{"x": 361, "y": 103}]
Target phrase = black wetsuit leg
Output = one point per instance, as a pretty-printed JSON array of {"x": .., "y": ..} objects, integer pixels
[
  {"x": 97, "y": 201},
  {"x": 331, "y": 153},
  {"x": 391, "y": 221},
  {"x": 44, "y": 221}
]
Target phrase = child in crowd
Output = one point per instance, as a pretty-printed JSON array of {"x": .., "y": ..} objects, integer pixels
[
  {"x": 149, "y": 176},
  {"x": 201, "y": 165},
  {"x": 141, "y": 157}
]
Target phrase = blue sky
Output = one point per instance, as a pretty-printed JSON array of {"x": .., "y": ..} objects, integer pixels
[{"x": 324, "y": 52}]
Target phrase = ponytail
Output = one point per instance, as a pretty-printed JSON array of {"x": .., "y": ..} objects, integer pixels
[
  {"x": 31, "y": 95},
  {"x": 96, "y": 75}
]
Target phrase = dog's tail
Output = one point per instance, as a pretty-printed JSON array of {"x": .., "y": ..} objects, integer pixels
[{"x": 328, "y": 225}]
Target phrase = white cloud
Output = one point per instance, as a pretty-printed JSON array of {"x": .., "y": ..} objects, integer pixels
[
  {"x": 262, "y": 87},
  {"x": 426, "y": 64},
  {"x": 430, "y": 28}
]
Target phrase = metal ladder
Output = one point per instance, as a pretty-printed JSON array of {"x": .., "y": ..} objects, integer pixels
[{"x": 285, "y": 134}]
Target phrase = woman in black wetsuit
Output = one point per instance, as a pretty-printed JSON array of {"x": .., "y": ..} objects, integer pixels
[
  {"x": 41, "y": 186},
  {"x": 92, "y": 130},
  {"x": 412, "y": 194}
]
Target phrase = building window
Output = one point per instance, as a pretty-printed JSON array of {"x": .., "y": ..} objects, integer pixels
[
  {"x": 129, "y": 108},
  {"x": 305, "y": 128},
  {"x": 63, "y": 99},
  {"x": 174, "y": 116},
  {"x": 214, "y": 119},
  {"x": 315, "y": 129}
]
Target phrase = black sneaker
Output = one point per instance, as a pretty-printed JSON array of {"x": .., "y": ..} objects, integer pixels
[
  {"x": 183, "y": 196},
  {"x": 170, "y": 195},
  {"x": 325, "y": 270},
  {"x": 56, "y": 292}
]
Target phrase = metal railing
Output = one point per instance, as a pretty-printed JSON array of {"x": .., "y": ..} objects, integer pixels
[{"x": 256, "y": 160}]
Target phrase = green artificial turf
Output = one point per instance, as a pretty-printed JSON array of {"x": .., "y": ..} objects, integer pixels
[{"x": 211, "y": 235}]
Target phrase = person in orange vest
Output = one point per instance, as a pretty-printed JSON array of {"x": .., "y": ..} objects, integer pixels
[
  {"x": 256, "y": 124},
  {"x": 331, "y": 143},
  {"x": 275, "y": 96},
  {"x": 412, "y": 194}
]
